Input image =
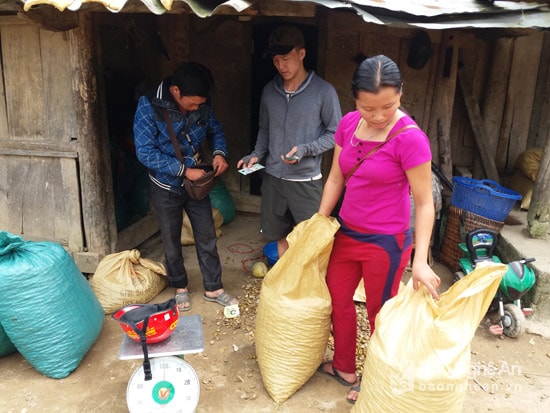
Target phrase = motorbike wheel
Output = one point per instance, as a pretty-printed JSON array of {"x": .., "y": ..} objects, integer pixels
[
  {"x": 457, "y": 276},
  {"x": 513, "y": 321}
]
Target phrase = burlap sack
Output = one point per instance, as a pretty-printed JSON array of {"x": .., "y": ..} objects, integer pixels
[
  {"x": 419, "y": 355},
  {"x": 528, "y": 162},
  {"x": 524, "y": 186},
  {"x": 125, "y": 278},
  {"x": 187, "y": 236},
  {"x": 293, "y": 318}
]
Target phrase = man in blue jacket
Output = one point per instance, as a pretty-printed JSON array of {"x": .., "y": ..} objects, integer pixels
[
  {"x": 299, "y": 113},
  {"x": 185, "y": 97}
]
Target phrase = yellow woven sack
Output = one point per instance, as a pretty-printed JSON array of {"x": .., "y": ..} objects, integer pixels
[
  {"x": 419, "y": 355},
  {"x": 187, "y": 235},
  {"x": 125, "y": 278},
  {"x": 528, "y": 162},
  {"x": 293, "y": 317}
]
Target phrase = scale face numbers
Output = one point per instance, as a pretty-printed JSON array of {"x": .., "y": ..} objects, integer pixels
[{"x": 174, "y": 387}]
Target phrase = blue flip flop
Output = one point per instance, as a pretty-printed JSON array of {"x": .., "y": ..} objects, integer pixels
[{"x": 335, "y": 375}]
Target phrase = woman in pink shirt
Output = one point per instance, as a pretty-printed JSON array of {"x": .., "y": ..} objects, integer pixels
[{"x": 380, "y": 157}]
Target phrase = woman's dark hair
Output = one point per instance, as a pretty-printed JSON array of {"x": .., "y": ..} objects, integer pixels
[
  {"x": 374, "y": 73},
  {"x": 193, "y": 79}
]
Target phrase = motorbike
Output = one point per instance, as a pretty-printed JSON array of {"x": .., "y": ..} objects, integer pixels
[{"x": 519, "y": 278}]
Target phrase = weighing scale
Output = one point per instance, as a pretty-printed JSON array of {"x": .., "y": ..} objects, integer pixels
[{"x": 175, "y": 386}]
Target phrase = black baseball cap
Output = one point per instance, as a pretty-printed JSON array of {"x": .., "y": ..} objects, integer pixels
[{"x": 283, "y": 39}]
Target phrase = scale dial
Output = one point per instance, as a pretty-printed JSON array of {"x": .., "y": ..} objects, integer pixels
[{"x": 174, "y": 387}]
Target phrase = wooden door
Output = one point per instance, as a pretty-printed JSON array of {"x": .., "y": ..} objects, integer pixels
[{"x": 39, "y": 180}]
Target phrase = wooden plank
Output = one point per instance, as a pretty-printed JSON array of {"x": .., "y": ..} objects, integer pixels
[
  {"x": 540, "y": 120},
  {"x": 477, "y": 125},
  {"x": 375, "y": 44},
  {"x": 428, "y": 98},
  {"x": 342, "y": 46},
  {"x": 48, "y": 154},
  {"x": 416, "y": 84},
  {"x": 443, "y": 102},
  {"x": 481, "y": 54},
  {"x": 538, "y": 217},
  {"x": 351, "y": 21},
  {"x": 67, "y": 199},
  {"x": 3, "y": 103},
  {"x": 136, "y": 233},
  {"x": 65, "y": 149},
  {"x": 50, "y": 18},
  {"x": 23, "y": 82},
  {"x": 5, "y": 194},
  {"x": 87, "y": 262},
  {"x": 40, "y": 200},
  {"x": 246, "y": 203},
  {"x": 60, "y": 121},
  {"x": 98, "y": 212},
  {"x": 274, "y": 8},
  {"x": 523, "y": 78},
  {"x": 492, "y": 107}
]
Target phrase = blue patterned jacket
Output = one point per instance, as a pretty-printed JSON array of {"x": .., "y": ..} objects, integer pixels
[{"x": 154, "y": 148}]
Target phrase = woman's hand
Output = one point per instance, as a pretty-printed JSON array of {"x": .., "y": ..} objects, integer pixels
[{"x": 422, "y": 273}]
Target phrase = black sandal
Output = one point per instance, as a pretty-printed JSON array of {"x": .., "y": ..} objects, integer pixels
[{"x": 356, "y": 388}]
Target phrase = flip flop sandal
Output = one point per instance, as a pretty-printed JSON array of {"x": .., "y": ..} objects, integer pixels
[
  {"x": 183, "y": 301},
  {"x": 335, "y": 375},
  {"x": 224, "y": 299},
  {"x": 356, "y": 388}
]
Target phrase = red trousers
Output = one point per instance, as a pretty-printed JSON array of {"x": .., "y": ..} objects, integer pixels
[{"x": 377, "y": 258}]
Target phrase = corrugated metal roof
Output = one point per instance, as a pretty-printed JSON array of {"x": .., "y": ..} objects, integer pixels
[{"x": 430, "y": 14}]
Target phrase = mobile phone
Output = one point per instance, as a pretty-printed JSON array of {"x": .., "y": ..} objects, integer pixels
[{"x": 291, "y": 158}]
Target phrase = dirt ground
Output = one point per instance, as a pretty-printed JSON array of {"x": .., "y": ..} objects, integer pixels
[{"x": 508, "y": 375}]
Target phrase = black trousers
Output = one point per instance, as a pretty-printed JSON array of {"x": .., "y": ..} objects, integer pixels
[{"x": 168, "y": 207}]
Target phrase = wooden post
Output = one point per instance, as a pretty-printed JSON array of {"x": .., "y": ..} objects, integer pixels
[
  {"x": 538, "y": 217},
  {"x": 478, "y": 128},
  {"x": 98, "y": 213},
  {"x": 493, "y": 108},
  {"x": 442, "y": 103}
]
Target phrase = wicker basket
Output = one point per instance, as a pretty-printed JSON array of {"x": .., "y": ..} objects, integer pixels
[{"x": 459, "y": 223}]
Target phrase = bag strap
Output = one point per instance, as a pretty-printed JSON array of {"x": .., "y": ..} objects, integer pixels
[
  {"x": 142, "y": 314},
  {"x": 204, "y": 149},
  {"x": 172, "y": 134},
  {"x": 375, "y": 149}
]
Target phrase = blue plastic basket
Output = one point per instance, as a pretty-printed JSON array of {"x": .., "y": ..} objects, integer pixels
[
  {"x": 270, "y": 251},
  {"x": 483, "y": 197}
]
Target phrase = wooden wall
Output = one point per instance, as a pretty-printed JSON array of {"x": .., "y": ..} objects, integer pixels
[
  {"x": 39, "y": 184},
  {"x": 55, "y": 177},
  {"x": 505, "y": 88},
  {"x": 510, "y": 93}
]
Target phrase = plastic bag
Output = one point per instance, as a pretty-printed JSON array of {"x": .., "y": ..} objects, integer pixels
[
  {"x": 221, "y": 199},
  {"x": 125, "y": 278},
  {"x": 293, "y": 318},
  {"x": 47, "y": 307},
  {"x": 419, "y": 355},
  {"x": 6, "y": 346}
]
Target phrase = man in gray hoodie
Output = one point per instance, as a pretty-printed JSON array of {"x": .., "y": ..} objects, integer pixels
[{"x": 299, "y": 113}]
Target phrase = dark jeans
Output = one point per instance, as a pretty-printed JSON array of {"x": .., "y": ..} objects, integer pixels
[{"x": 168, "y": 207}]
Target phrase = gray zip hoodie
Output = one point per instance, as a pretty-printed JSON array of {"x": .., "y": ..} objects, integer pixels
[{"x": 307, "y": 119}]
